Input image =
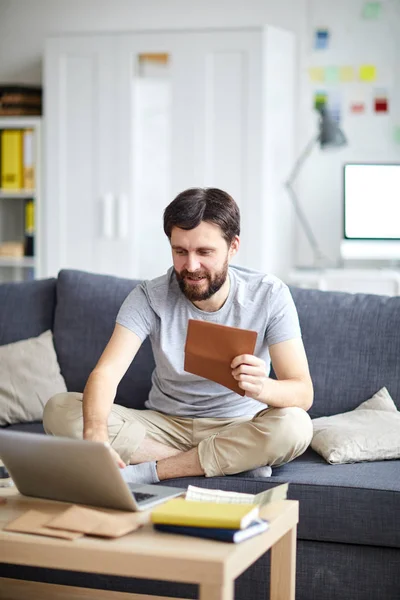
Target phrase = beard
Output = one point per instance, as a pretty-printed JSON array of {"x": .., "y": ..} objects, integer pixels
[{"x": 210, "y": 285}]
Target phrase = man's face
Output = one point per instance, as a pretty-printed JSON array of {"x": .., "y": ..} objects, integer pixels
[{"x": 201, "y": 257}]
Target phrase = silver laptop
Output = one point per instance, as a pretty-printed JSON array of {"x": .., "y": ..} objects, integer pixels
[{"x": 75, "y": 471}]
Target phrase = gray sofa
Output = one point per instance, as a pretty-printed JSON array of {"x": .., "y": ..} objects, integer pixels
[{"x": 349, "y": 531}]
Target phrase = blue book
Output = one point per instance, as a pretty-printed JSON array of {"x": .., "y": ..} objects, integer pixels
[{"x": 224, "y": 535}]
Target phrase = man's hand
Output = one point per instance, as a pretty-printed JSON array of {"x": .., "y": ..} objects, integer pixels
[
  {"x": 251, "y": 374},
  {"x": 116, "y": 457},
  {"x": 102, "y": 436}
]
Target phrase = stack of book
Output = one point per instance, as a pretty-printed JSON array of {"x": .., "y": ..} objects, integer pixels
[
  {"x": 20, "y": 100},
  {"x": 219, "y": 521}
]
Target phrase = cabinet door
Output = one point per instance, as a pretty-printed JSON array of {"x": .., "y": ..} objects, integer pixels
[
  {"x": 190, "y": 106},
  {"x": 134, "y": 119},
  {"x": 81, "y": 206}
]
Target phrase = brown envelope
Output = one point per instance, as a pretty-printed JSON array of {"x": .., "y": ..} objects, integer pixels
[
  {"x": 34, "y": 521},
  {"x": 210, "y": 349},
  {"x": 96, "y": 522}
]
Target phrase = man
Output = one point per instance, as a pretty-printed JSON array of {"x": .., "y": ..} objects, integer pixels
[{"x": 193, "y": 426}]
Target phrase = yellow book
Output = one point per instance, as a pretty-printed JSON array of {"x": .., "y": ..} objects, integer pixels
[
  {"x": 11, "y": 159},
  {"x": 179, "y": 511}
]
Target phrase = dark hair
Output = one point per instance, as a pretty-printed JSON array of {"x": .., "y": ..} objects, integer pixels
[{"x": 195, "y": 205}]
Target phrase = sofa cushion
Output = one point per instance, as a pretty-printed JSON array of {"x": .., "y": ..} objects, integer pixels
[
  {"x": 352, "y": 345},
  {"x": 87, "y": 305},
  {"x": 27, "y": 309},
  {"x": 370, "y": 432},
  {"x": 354, "y": 503},
  {"x": 29, "y": 376},
  {"x": 34, "y": 427}
]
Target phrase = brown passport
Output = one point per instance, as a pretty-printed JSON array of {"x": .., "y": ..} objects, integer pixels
[{"x": 210, "y": 349}]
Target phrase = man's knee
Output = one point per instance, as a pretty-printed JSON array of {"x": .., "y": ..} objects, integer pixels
[
  {"x": 290, "y": 432},
  {"x": 62, "y": 415}
]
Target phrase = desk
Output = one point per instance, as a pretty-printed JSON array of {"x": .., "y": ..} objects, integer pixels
[
  {"x": 148, "y": 554},
  {"x": 365, "y": 281}
]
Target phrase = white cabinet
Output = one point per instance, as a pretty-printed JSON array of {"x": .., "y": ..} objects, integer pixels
[
  {"x": 133, "y": 119},
  {"x": 80, "y": 141},
  {"x": 15, "y": 265}
]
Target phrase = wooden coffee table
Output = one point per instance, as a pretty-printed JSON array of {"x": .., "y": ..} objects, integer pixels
[{"x": 147, "y": 554}]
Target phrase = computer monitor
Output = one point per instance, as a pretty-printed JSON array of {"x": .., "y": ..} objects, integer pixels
[{"x": 371, "y": 211}]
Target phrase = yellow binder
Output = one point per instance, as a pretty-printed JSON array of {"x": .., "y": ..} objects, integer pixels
[{"x": 11, "y": 159}]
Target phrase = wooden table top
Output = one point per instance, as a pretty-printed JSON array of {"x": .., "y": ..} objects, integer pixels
[{"x": 145, "y": 552}]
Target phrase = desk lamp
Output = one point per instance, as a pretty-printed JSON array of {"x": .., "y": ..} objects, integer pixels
[{"x": 329, "y": 136}]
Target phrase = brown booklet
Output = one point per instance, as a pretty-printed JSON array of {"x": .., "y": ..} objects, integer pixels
[
  {"x": 210, "y": 349},
  {"x": 97, "y": 522}
]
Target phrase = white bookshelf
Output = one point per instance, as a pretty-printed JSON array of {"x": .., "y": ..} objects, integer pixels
[
  {"x": 16, "y": 268},
  {"x": 17, "y": 194}
]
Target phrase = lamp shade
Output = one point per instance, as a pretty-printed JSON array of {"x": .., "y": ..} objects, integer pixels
[{"x": 330, "y": 134}]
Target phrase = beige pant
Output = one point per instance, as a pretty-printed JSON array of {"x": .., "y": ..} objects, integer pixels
[{"x": 226, "y": 446}]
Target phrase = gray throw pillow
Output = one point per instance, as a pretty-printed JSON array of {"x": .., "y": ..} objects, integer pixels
[
  {"x": 370, "y": 432},
  {"x": 29, "y": 376}
]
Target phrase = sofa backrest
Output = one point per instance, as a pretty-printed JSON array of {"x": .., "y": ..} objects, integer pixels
[
  {"x": 352, "y": 341},
  {"x": 26, "y": 309},
  {"x": 353, "y": 347},
  {"x": 87, "y": 305}
]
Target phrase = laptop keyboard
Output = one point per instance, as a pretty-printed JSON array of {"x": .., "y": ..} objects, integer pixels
[{"x": 140, "y": 496}]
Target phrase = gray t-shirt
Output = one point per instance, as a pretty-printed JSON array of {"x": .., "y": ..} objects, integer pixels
[{"x": 159, "y": 309}]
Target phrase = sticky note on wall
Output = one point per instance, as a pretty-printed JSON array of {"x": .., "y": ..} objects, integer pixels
[
  {"x": 381, "y": 105},
  {"x": 381, "y": 102},
  {"x": 331, "y": 74},
  {"x": 316, "y": 74},
  {"x": 371, "y": 10},
  {"x": 357, "y": 108},
  {"x": 320, "y": 100},
  {"x": 368, "y": 73},
  {"x": 321, "y": 39},
  {"x": 334, "y": 105},
  {"x": 346, "y": 74}
]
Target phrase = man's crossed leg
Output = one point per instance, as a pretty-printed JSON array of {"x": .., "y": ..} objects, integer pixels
[{"x": 157, "y": 446}]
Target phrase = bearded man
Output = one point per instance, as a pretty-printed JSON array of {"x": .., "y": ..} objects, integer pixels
[{"x": 192, "y": 426}]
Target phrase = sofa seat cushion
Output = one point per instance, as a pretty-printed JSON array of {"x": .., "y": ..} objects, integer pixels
[
  {"x": 87, "y": 305},
  {"x": 353, "y": 503},
  {"x": 33, "y": 427}
]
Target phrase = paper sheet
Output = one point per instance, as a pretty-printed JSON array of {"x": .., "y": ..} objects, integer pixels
[{"x": 219, "y": 496}]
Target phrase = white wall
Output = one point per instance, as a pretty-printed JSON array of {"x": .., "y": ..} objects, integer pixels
[
  {"x": 25, "y": 24},
  {"x": 354, "y": 41}
]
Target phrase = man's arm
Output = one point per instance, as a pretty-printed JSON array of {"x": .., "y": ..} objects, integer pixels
[
  {"x": 101, "y": 387},
  {"x": 293, "y": 386}
]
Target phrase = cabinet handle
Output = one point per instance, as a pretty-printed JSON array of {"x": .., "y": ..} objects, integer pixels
[
  {"x": 122, "y": 216},
  {"x": 108, "y": 216}
]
